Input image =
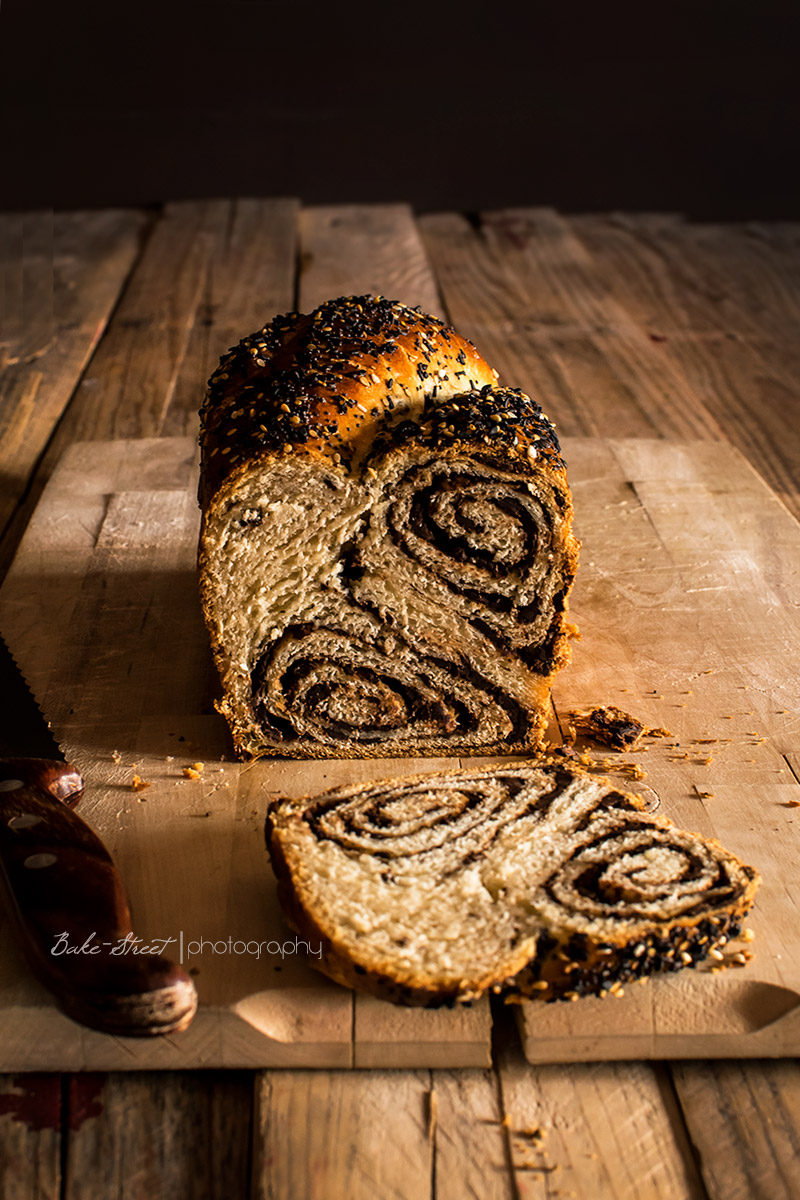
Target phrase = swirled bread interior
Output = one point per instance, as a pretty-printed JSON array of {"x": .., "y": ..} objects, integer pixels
[
  {"x": 387, "y": 556},
  {"x": 543, "y": 881}
]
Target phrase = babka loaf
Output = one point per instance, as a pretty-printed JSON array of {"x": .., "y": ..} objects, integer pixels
[
  {"x": 386, "y": 548},
  {"x": 537, "y": 880}
]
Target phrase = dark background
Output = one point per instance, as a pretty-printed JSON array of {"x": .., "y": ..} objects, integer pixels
[{"x": 689, "y": 106}]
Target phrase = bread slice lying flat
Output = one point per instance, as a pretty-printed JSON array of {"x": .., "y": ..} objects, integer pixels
[{"x": 543, "y": 881}]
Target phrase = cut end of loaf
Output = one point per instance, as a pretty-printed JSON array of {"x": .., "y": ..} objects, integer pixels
[
  {"x": 537, "y": 881},
  {"x": 392, "y": 577}
]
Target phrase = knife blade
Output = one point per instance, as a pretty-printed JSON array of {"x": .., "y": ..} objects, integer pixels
[{"x": 64, "y": 896}]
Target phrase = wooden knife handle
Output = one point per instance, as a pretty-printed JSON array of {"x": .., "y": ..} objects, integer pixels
[{"x": 70, "y": 913}]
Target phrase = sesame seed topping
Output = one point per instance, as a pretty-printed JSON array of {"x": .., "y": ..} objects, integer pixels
[{"x": 315, "y": 369}]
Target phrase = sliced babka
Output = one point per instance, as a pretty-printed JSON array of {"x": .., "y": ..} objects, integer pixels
[{"x": 540, "y": 880}]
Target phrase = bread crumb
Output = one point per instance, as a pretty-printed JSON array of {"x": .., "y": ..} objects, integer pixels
[
  {"x": 194, "y": 771},
  {"x": 138, "y": 785},
  {"x": 607, "y": 725},
  {"x": 116, "y": 757}
]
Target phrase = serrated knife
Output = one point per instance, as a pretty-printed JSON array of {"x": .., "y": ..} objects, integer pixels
[{"x": 63, "y": 895}]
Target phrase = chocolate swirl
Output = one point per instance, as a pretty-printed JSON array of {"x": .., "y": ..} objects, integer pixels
[
  {"x": 484, "y": 541},
  {"x": 410, "y": 821},
  {"x": 616, "y": 863},
  {"x": 327, "y": 684},
  {"x": 421, "y": 824},
  {"x": 636, "y": 872},
  {"x": 455, "y": 560},
  {"x": 468, "y": 519},
  {"x": 543, "y": 880}
]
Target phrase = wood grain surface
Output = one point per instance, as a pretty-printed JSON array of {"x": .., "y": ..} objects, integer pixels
[
  {"x": 624, "y": 326},
  {"x": 126, "y": 609},
  {"x": 687, "y": 610},
  {"x": 744, "y": 1121},
  {"x": 686, "y": 584},
  {"x": 61, "y": 277},
  {"x": 717, "y": 306}
]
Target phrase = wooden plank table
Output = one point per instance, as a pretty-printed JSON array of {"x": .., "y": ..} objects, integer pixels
[{"x": 625, "y": 327}]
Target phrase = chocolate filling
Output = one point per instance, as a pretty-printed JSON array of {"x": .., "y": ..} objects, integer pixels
[
  {"x": 591, "y": 885},
  {"x": 464, "y": 546},
  {"x": 344, "y": 699},
  {"x": 381, "y": 702},
  {"x": 365, "y": 826}
]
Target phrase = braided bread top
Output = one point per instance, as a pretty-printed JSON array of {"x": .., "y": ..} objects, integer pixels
[{"x": 328, "y": 381}]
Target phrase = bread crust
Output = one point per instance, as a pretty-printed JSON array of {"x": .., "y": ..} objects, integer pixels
[{"x": 326, "y": 383}]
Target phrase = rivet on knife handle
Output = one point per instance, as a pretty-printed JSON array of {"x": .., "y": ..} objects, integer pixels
[{"x": 59, "y": 878}]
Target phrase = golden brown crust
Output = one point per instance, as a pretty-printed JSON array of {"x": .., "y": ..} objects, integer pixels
[{"x": 328, "y": 381}]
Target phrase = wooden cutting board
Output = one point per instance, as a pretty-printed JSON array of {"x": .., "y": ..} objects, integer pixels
[{"x": 688, "y": 603}]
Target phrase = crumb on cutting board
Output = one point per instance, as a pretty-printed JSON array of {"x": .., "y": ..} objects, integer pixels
[{"x": 612, "y": 726}]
